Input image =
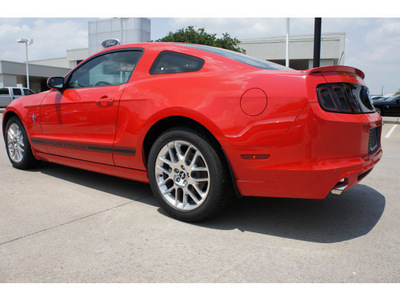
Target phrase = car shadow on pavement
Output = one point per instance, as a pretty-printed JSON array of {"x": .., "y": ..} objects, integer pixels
[
  {"x": 131, "y": 190},
  {"x": 330, "y": 220}
]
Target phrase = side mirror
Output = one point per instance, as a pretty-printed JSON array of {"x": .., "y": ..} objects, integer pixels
[{"x": 55, "y": 83}]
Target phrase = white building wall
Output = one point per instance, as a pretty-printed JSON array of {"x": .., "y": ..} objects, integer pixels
[
  {"x": 301, "y": 48},
  {"x": 71, "y": 60},
  {"x": 75, "y": 56},
  {"x": 8, "y": 81},
  {"x": 134, "y": 30}
]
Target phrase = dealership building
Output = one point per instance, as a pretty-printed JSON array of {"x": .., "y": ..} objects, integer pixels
[{"x": 133, "y": 30}]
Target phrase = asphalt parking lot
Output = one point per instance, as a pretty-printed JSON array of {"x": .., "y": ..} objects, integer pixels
[{"x": 60, "y": 224}]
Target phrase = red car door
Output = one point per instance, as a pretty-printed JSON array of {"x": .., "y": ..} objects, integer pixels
[{"x": 79, "y": 121}]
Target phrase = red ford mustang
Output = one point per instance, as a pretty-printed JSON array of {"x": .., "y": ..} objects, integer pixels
[{"x": 200, "y": 123}]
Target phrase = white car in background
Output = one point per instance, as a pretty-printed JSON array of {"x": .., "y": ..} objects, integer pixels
[{"x": 8, "y": 94}]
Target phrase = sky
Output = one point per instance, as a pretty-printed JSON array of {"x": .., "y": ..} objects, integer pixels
[{"x": 372, "y": 43}]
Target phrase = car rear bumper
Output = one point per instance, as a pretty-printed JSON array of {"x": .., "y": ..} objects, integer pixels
[
  {"x": 313, "y": 184},
  {"x": 321, "y": 152}
]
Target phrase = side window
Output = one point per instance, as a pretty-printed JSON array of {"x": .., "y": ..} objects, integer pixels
[
  {"x": 28, "y": 92},
  {"x": 113, "y": 68},
  {"x": 168, "y": 62},
  {"x": 4, "y": 91},
  {"x": 17, "y": 92}
]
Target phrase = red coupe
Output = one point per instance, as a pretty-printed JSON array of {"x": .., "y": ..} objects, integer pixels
[{"x": 201, "y": 124}]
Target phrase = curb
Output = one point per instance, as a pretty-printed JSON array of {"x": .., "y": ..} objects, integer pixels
[{"x": 391, "y": 120}]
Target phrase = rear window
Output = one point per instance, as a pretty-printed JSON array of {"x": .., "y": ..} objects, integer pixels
[
  {"x": 168, "y": 62},
  {"x": 239, "y": 57}
]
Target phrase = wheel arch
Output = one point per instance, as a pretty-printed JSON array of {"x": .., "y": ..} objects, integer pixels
[
  {"x": 9, "y": 114},
  {"x": 167, "y": 123},
  {"x": 179, "y": 121}
]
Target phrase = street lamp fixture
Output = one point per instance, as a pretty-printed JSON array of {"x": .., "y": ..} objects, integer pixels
[{"x": 27, "y": 43}]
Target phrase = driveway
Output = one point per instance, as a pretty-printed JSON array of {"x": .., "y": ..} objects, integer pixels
[{"x": 60, "y": 224}]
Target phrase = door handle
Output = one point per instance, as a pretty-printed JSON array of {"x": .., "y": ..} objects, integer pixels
[{"x": 104, "y": 101}]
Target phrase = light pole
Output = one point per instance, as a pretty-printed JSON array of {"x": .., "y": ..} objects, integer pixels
[
  {"x": 317, "y": 42},
  {"x": 27, "y": 43},
  {"x": 287, "y": 40},
  {"x": 122, "y": 29}
]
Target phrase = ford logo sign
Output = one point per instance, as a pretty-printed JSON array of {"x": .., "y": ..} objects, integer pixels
[{"x": 110, "y": 43}]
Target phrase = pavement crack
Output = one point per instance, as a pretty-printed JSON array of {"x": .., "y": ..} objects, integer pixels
[{"x": 72, "y": 221}]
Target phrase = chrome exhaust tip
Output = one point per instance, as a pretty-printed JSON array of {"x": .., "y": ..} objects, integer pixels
[{"x": 339, "y": 187}]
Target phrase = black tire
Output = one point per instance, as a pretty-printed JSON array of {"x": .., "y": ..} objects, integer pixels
[
  {"x": 191, "y": 185},
  {"x": 17, "y": 145}
]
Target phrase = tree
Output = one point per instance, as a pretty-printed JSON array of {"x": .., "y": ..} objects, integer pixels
[{"x": 199, "y": 36}]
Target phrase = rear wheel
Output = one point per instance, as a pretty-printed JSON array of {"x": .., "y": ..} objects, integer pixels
[
  {"x": 187, "y": 176},
  {"x": 18, "y": 146}
]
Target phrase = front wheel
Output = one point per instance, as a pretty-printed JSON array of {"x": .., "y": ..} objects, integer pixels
[
  {"x": 18, "y": 146},
  {"x": 187, "y": 176}
]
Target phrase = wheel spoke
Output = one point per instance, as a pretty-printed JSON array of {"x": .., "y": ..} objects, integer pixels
[
  {"x": 192, "y": 163},
  {"x": 10, "y": 135},
  {"x": 164, "y": 182},
  {"x": 184, "y": 200},
  {"x": 168, "y": 191},
  {"x": 19, "y": 155},
  {"x": 164, "y": 170},
  {"x": 168, "y": 162},
  {"x": 198, "y": 190},
  {"x": 171, "y": 155},
  {"x": 194, "y": 198},
  {"x": 179, "y": 152},
  {"x": 199, "y": 179}
]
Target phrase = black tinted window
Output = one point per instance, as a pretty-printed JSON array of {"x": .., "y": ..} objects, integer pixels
[
  {"x": 4, "y": 91},
  {"x": 17, "y": 92},
  {"x": 173, "y": 62}
]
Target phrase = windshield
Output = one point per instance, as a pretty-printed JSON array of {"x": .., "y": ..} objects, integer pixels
[
  {"x": 393, "y": 98},
  {"x": 248, "y": 60}
]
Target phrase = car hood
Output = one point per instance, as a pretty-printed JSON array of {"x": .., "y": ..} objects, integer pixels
[{"x": 30, "y": 100}]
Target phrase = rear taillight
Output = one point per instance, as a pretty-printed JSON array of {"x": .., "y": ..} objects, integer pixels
[{"x": 345, "y": 98}]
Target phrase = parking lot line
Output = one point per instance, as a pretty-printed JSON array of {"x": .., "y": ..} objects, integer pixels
[{"x": 390, "y": 131}]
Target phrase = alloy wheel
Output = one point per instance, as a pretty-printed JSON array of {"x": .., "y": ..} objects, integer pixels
[
  {"x": 15, "y": 143},
  {"x": 182, "y": 175}
]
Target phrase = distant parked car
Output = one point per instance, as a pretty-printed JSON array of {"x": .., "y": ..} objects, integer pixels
[
  {"x": 388, "y": 106},
  {"x": 378, "y": 98},
  {"x": 8, "y": 94}
]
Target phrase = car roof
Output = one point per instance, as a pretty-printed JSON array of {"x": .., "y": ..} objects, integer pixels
[{"x": 204, "y": 51}]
